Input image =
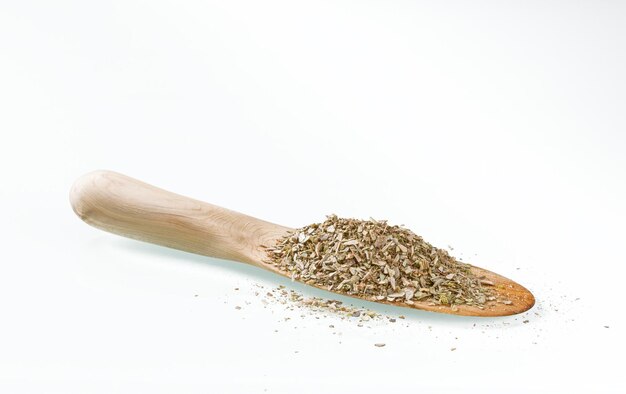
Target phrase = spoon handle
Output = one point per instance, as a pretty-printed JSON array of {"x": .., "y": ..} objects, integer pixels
[{"x": 125, "y": 206}]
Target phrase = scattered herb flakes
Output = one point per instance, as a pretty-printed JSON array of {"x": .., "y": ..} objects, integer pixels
[
  {"x": 373, "y": 260},
  {"x": 452, "y": 349},
  {"x": 237, "y": 307},
  {"x": 315, "y": 304},
  {"x": 379, "y": 344},
  {"x": 526, "y": 321}
]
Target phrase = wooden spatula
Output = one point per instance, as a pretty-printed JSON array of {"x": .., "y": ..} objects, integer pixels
[{"x": 122, "y": 205}]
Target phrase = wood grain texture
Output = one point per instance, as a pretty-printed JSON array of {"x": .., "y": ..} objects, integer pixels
[{"x": 122, "y": 205}]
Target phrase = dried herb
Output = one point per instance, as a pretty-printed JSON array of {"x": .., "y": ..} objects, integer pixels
[{"x": 371, "y": 259}]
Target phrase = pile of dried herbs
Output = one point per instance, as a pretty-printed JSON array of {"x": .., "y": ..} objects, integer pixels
[{"x": 374, "y": 260}]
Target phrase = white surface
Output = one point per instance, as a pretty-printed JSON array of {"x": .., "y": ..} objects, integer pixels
[{"x": 494, "y": 127}]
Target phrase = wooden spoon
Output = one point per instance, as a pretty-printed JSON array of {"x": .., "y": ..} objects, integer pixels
[{"x": 122, "y": 205}]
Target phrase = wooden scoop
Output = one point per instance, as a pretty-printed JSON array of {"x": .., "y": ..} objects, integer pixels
[{"x": 122, "y": 205}]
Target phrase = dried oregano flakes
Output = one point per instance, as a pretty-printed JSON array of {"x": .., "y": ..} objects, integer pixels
[{"x": 373, "y": 260}]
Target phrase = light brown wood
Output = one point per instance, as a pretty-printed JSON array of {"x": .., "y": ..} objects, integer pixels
[{"x": 122, "y": 205}]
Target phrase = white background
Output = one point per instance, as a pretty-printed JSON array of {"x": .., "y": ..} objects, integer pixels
[{"x": 494, "y": 127}]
